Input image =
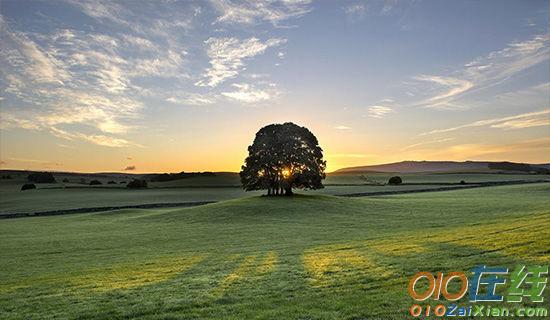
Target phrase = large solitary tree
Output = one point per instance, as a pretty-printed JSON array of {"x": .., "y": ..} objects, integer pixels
[{"x": 282, "y": 157}]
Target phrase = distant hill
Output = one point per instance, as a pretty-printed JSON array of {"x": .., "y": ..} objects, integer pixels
[{"x": 449, "y": 166}]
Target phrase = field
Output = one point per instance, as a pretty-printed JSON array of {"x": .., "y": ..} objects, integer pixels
[
  {"x": 306, "y": 257},
  {"x": 223, "y": 186}
]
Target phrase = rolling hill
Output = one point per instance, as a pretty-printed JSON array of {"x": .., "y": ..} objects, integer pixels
[{"x": 447, "y": 166}]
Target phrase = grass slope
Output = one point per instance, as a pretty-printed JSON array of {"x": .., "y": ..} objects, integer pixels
[{"x": 308, "y": 257}]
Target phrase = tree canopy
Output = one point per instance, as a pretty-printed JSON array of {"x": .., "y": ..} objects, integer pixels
[{"x": 282, "y": 157}]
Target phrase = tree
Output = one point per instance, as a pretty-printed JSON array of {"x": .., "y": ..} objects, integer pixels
[
  {"x": 28, "y": 186},
  {"x": 137, "y": 184},
  {"x": 41, "y": 177},
  {"x": 95, "y": 183},
  {"x": 395, "y": 180},
  {"x": 283, "y": 157}
]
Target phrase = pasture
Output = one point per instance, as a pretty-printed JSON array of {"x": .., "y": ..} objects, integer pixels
[
  {"x": 223, "y": 186},
  {"x": 305, "y": 257}
]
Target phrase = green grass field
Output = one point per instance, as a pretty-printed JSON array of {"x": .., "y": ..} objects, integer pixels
[
  {"x": 305, "y": 257},
  {"x": 223, "y": 186}
]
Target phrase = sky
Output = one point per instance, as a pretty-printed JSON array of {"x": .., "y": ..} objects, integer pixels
[{"x": 170, "y": 86}]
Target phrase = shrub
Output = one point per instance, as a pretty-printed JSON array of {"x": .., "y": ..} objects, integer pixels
[
  {"x": 7, "y": 176},
  {"x": 122, "y": 182},
  {"x": 28, "y": 186},
  {"x": 137, "y": 184},
  {"x": 41, "y": 177},
  {"x": 111, "y": 182},
  {"x": 65, "y": 180},
  {"x": 395, "y": 180},
  {"x": 462, "y": 182},
  {"x": 95, "y": 182}
]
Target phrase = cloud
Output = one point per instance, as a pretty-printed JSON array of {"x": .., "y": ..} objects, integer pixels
[
  {"x": 41, "y": 162},
  {"x": 349, "y": 155},
  {"x": 36, "y": 65},
  {"x": 228, "y": 55},
  {"x": 379, "y": 111},
  {"x": 487, "y": 151},
  {"x": 413, "y": 146},
  {"x": 253, "y": 12},
  {"x": 130, "y": 168},
  {"x": 525, "y": 120},
  {"x": 452, "y": 87},
  {"x": 249, "y": 94},
  {"x": 355, "y": 12},
  {"x": 98, "y": 139},
  {"x": 194, "y": 99},
  {"x": 444, "y": 91},
  {"x": 341, "y": 127},
  {"x": 83, "y": 78}
]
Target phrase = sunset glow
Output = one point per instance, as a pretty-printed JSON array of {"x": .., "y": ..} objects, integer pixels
[{"x": 183, "y": 86}]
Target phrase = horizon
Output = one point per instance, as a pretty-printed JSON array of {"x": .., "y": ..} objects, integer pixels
[{"x": 98, "y": 86}]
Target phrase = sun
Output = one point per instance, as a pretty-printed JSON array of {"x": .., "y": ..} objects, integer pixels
[{"x": 286, "y": 172}]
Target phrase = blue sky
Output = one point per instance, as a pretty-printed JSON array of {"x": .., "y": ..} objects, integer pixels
[{"x": 182, "y": 85}]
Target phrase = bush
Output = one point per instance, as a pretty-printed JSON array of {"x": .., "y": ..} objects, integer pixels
[
  {"x": 41, "y": 177},
  {"x": 7, "y": 176},
  {"x": 462, "y": 182},
  {"x": 28, "y": 186},
  {"x": 65, "y": 180},
  {"x": 111, "y": 182},
  {"x": 122, "y": 182},
  {"x": 395, "y": 180},
  {"x": 137, "y": 184},
  {"x": 95, "y": 182}
]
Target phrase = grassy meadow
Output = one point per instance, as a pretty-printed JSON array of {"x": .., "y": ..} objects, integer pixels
[
  {"x": 305, "y": 257},
  {"x": 222, "y": 186}
]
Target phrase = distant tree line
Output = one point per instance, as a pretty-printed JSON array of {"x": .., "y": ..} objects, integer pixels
[
  {"x": 163, "y": 177},
  {"x": 523, "y": 167}
]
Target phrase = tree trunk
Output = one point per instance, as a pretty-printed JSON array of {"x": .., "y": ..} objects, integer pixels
[{"x": 288, "y": 191}]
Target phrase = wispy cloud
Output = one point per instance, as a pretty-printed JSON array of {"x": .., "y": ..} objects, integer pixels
[
  {"x": 485, "y": 151},
  {"x": 99, "y": 139},
  {"x": 250, "y": 94},
  {"x": 35, "y": 161},
  {"x": 424, "y": 143},
  {"x": 253, "y": 12},
  {"x": 193, "y": 99},
  {"x": 483, "y": 72},
  {"x": 228, "y": 55},
  {"x": 342, "y": 127},
  {"x": 84, "y": 78},
  {"x": 379, "y": 111},
  {"x": 525, "y": 120},
  {"x": 451, "y": 86},
  {"x": 349, "y": 155},
  {"x": 130, "y": 168},
  {"x": 355, "y": 12}
]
